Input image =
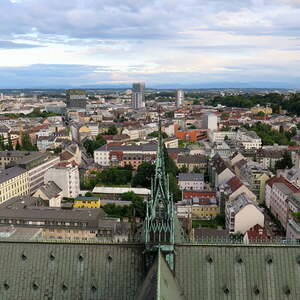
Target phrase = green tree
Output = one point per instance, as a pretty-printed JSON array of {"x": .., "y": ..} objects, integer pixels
[
  {"x": 285, "y": 162},
  {"x": 9, "y": 146},
  {"x": 2, "y": 145},
  {"x": 26, "y": 143},
  {"x": 174, "y": 189},
  {"x": 192, "y": 126},
  {"x": 197, "y": 170},
  {"x": 112, "y": 130},
  {"x": 18, "y": 146},
  {"x": 184, "y": 169},
  {"x": 144, "y": 173},
  {"x": 138, "y": 204},
  {"x": 169, "y": 114},
  {"x": 170, "y": 164},
  {"x": 225, "y": 128},
  {"x": 156, "y": 133},
  {"x": 92, "y": 145},
  {"x": 225, "y": 115},
  {"x": 261, "y": 114},
  {"x": 116, "y": 176},
  {"x": 296, "y": 216}
]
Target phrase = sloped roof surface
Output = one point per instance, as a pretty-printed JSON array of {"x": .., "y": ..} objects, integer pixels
[
  {"x": 116, "y": 271},
  {"x": 69, "y": 271},
  {"x": 213, "y": 272},
  {"x": 160, "y": 283}
]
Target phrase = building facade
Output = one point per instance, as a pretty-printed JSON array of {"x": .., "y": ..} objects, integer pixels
[
  {"x": 76, "y": 99},
  {"x": 242, "y": 214},
  {"x": 210, "y": 121},
  {"x": 13, "y": 182},
  {"x": 66, "y": 177},
  {"x": 138, "y": 95},
  {"x": 191, "y": 181},
  {"x": 179, "y": 98}
]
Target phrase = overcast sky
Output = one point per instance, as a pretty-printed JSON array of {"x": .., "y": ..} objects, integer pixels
[{"x": 188, "y": 43}]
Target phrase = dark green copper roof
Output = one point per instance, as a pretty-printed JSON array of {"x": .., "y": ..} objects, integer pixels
[
  {"x": 75, "y": 271},
  {"x": 238, "y": 272},
  {"x": 69, "y": 271},
  {"x": 160, "y": 283}
]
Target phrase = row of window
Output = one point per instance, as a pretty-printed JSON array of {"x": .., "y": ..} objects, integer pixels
[{"x": 28, "y": 222}]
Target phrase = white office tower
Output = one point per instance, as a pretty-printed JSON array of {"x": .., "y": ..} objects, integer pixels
[
  {"x": 179, "y": 97},
  {"x": 138, "y": 95},
  {"x": 210, "y": 121}
]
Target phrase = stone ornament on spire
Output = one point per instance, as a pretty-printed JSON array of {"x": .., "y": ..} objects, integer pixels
[{"x": 159, "y": 222}]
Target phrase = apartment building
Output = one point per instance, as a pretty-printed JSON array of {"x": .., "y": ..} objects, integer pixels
[
  {"x": 234, "y": 187},
  {"x": 278, "y": 194},
  {"x": 192, "y": 161},
  {"x": 256, "y": 176},
  {"x": 66, "y": 177},
  {"x": 246, "y": 139},
  {"x": 220, "y": 171},
  {"x": 191, "y": 181},
  {"x": 103, "y": 157},
  {"x": 219, "y": 136},
  {"x": 198, "y": 205},
  {"x": 36, "y": 164},
  {"x": 242, "y": 214},
  {"x": 249, "y": 140},
  {"x": 58, "y": 223},
  {"x": 13, "y": 182}
]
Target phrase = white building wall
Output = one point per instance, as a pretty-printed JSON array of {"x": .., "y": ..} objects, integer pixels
[
  {"x": 102, "y": 158},
  {"x": 248, "y": 217},
  {"x": 67, "y": 178},
  {"x": 268, "y": 193},
  {"x": 225, "y": 176},
  {"x": 243, "y": 189},
  {"x": 219, "y": 136},
  {"x": 191, "y": 185},
  {"x": 210, "y": 121}
]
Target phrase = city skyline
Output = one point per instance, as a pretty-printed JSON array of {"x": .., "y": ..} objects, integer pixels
[{"x": 195, "y": 44}]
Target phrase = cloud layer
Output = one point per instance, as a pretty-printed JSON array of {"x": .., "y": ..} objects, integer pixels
[{"x": 192, "y": 42}]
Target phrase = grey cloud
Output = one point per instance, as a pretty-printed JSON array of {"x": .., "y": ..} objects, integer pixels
[
  {"x": 51, "y": 76},
  {"x": 13, "y": 45},
  {"x": 128, "y": 19}
]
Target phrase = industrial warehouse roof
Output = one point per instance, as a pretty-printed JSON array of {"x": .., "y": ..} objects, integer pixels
[
  {"x": 58, "y": 270},
  {"x": 119, "y": 190}
]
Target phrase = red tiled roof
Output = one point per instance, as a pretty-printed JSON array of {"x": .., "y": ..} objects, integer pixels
[
  {"x": 275, "y": 179},
  {"x": 67, "y": 163},
  {"x": 114, "y": 144},
  {"x": 200, "y": 194},
  {"x": 260, "y": 117},
  {"x": 240, "y": 163},
  {"x": 66, "y": 155},
  {"x": 257, "y": 233},
  {"x": 234, "y": 183}
]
